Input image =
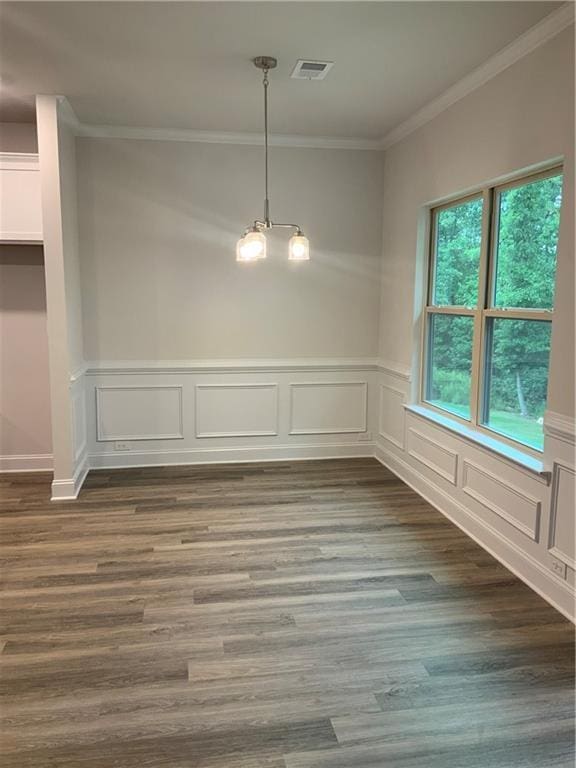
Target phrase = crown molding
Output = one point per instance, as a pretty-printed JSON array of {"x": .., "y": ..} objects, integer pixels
[
  {"x": 67, "y": 114},
  {"x": 533, "y": 38},
  {"x": 225, "y": 137}
]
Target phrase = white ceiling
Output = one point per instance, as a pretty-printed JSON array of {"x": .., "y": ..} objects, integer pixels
[{"x": 187, "y": 65}]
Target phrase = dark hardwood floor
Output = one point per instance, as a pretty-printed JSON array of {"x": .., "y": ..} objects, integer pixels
[{"x": 286, "y": 615}]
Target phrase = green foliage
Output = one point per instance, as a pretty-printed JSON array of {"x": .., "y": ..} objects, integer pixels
[
  {"x": 529, "y": 217},
  {"x": 525, "y": 268},
  {"x": 458, "y": 241}
]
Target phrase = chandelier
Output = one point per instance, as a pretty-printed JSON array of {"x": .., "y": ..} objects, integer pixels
[{"x": 252, "y": 245}]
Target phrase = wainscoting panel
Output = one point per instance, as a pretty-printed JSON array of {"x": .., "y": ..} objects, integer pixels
[
  {"x": 331, "y": 407},
  {"x": 229, "y": 410},
  {"x": 430, "y": 452},
  {"x": 151, "y": 412},
  {"x": 391, "y": 421},
  {"x": 562, "y": 514},
  {"x": 236, "y": 410},
  {"x": 498, "y": 495}
]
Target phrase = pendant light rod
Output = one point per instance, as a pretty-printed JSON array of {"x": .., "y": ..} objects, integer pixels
[
  {"x": 266, "y": 200},
  {"x": 266, "y": 63},
  {"x": 252, "y": 245}
]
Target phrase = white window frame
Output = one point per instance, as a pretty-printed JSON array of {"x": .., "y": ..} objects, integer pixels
[{"x": 484, "y": 309}]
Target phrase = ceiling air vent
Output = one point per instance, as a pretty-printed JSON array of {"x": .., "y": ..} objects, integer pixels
[{"x": 306, "y": 69}]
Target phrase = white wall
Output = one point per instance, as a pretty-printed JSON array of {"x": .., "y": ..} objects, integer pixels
[
  {"x": 159, "y": 223},
  {"x": 25, "y": 435},
  {"x": 522, "y": 117},
  {"x": 164, "y": 299}
]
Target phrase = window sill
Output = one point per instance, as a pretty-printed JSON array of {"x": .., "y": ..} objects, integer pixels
[{"x": 525, "y": 460}]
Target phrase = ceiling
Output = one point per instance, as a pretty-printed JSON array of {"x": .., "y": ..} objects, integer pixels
[{"x": 187, "y": 65}]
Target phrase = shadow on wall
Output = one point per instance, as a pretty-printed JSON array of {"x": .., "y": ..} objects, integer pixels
[{"x": 24, "y": 376}]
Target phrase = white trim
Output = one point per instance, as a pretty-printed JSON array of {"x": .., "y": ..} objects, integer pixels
[
  {"x": 67, "y": 115},
  {"x": 450, "y": 477},
  {"x": 238, "y": 454},
  {"x": 559, "y": 466},
  {"x": 22, "y": 238},
  {"x": 138, "y": 388},
  {"x": 531, "y": 533},
  {"x": 386, "y": 435},
  {"x": 398, "y": 370},
  {"x": 67, "y": 490},
  {"x": 532, "y": 39},
  {"x": 32, "y": 463},
  {"x": 226, "y": 137},
  {"x": 19, "y": 161},
  {"x": 549, "y": 586},
  {"x": 329, "y": 430},
  {"x": 560, "y": 427},
  {"x": 76, "y": 375},
  {"x": 241, "y": 433},
  {"x": 120, "y": 367}
]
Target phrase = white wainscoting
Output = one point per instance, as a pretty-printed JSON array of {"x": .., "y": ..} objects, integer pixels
[
  {"x": 139, "y": 412},
  {"x": 328, "y": 407},
  {"x": 229, "y": 411},
  {"x": 430, "y": 451},
  {"x": 517, "y": 514},
  {"x": 504, "y": 499},
  {"x": 391, "y": 422},
  {"x": 236, "y": 410}
]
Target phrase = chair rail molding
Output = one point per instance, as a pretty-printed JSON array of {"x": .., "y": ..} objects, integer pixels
[
  {"x": 121, "y": 367},
  {"x": 397, "y": 370}
]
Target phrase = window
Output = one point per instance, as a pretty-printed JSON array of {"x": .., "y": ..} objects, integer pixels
[{"x": 490, "y": 306}]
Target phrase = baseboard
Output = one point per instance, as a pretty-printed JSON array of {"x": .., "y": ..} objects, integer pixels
[
  {"x": 66, "y": 490},
  {"x": 33, "y": 463},
  {"x": 555, "y": 591},
  {"x": 231, "y": 455}
]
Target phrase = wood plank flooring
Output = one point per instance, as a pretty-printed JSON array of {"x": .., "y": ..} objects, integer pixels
[{"x": 287, "y": 615}]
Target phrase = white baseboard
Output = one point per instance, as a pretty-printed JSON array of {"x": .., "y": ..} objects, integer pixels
[
  {"x": 555, "y": 591},
  {"x": 231, "y": 455},
  {"x": 66, "y": 490},
  {"x": 34, "y": 463}
]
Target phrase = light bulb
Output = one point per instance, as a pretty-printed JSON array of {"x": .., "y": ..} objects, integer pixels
[
  {"x": 298, "y": 248},
  {"x": 251, "y": 247}
]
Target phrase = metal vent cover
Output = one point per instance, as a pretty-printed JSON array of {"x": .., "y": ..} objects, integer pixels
[{"x": 310, "y": 69}]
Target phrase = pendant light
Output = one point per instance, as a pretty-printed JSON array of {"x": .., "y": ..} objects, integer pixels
[{"x": 252, "y": 245}]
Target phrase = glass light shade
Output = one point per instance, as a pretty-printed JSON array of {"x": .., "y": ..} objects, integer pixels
[
  {"x": 298, "y": 248},
  {"x": 251, "y": 247}
]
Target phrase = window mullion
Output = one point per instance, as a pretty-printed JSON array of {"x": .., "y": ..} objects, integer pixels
[{"x": 476, "y": 393}]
